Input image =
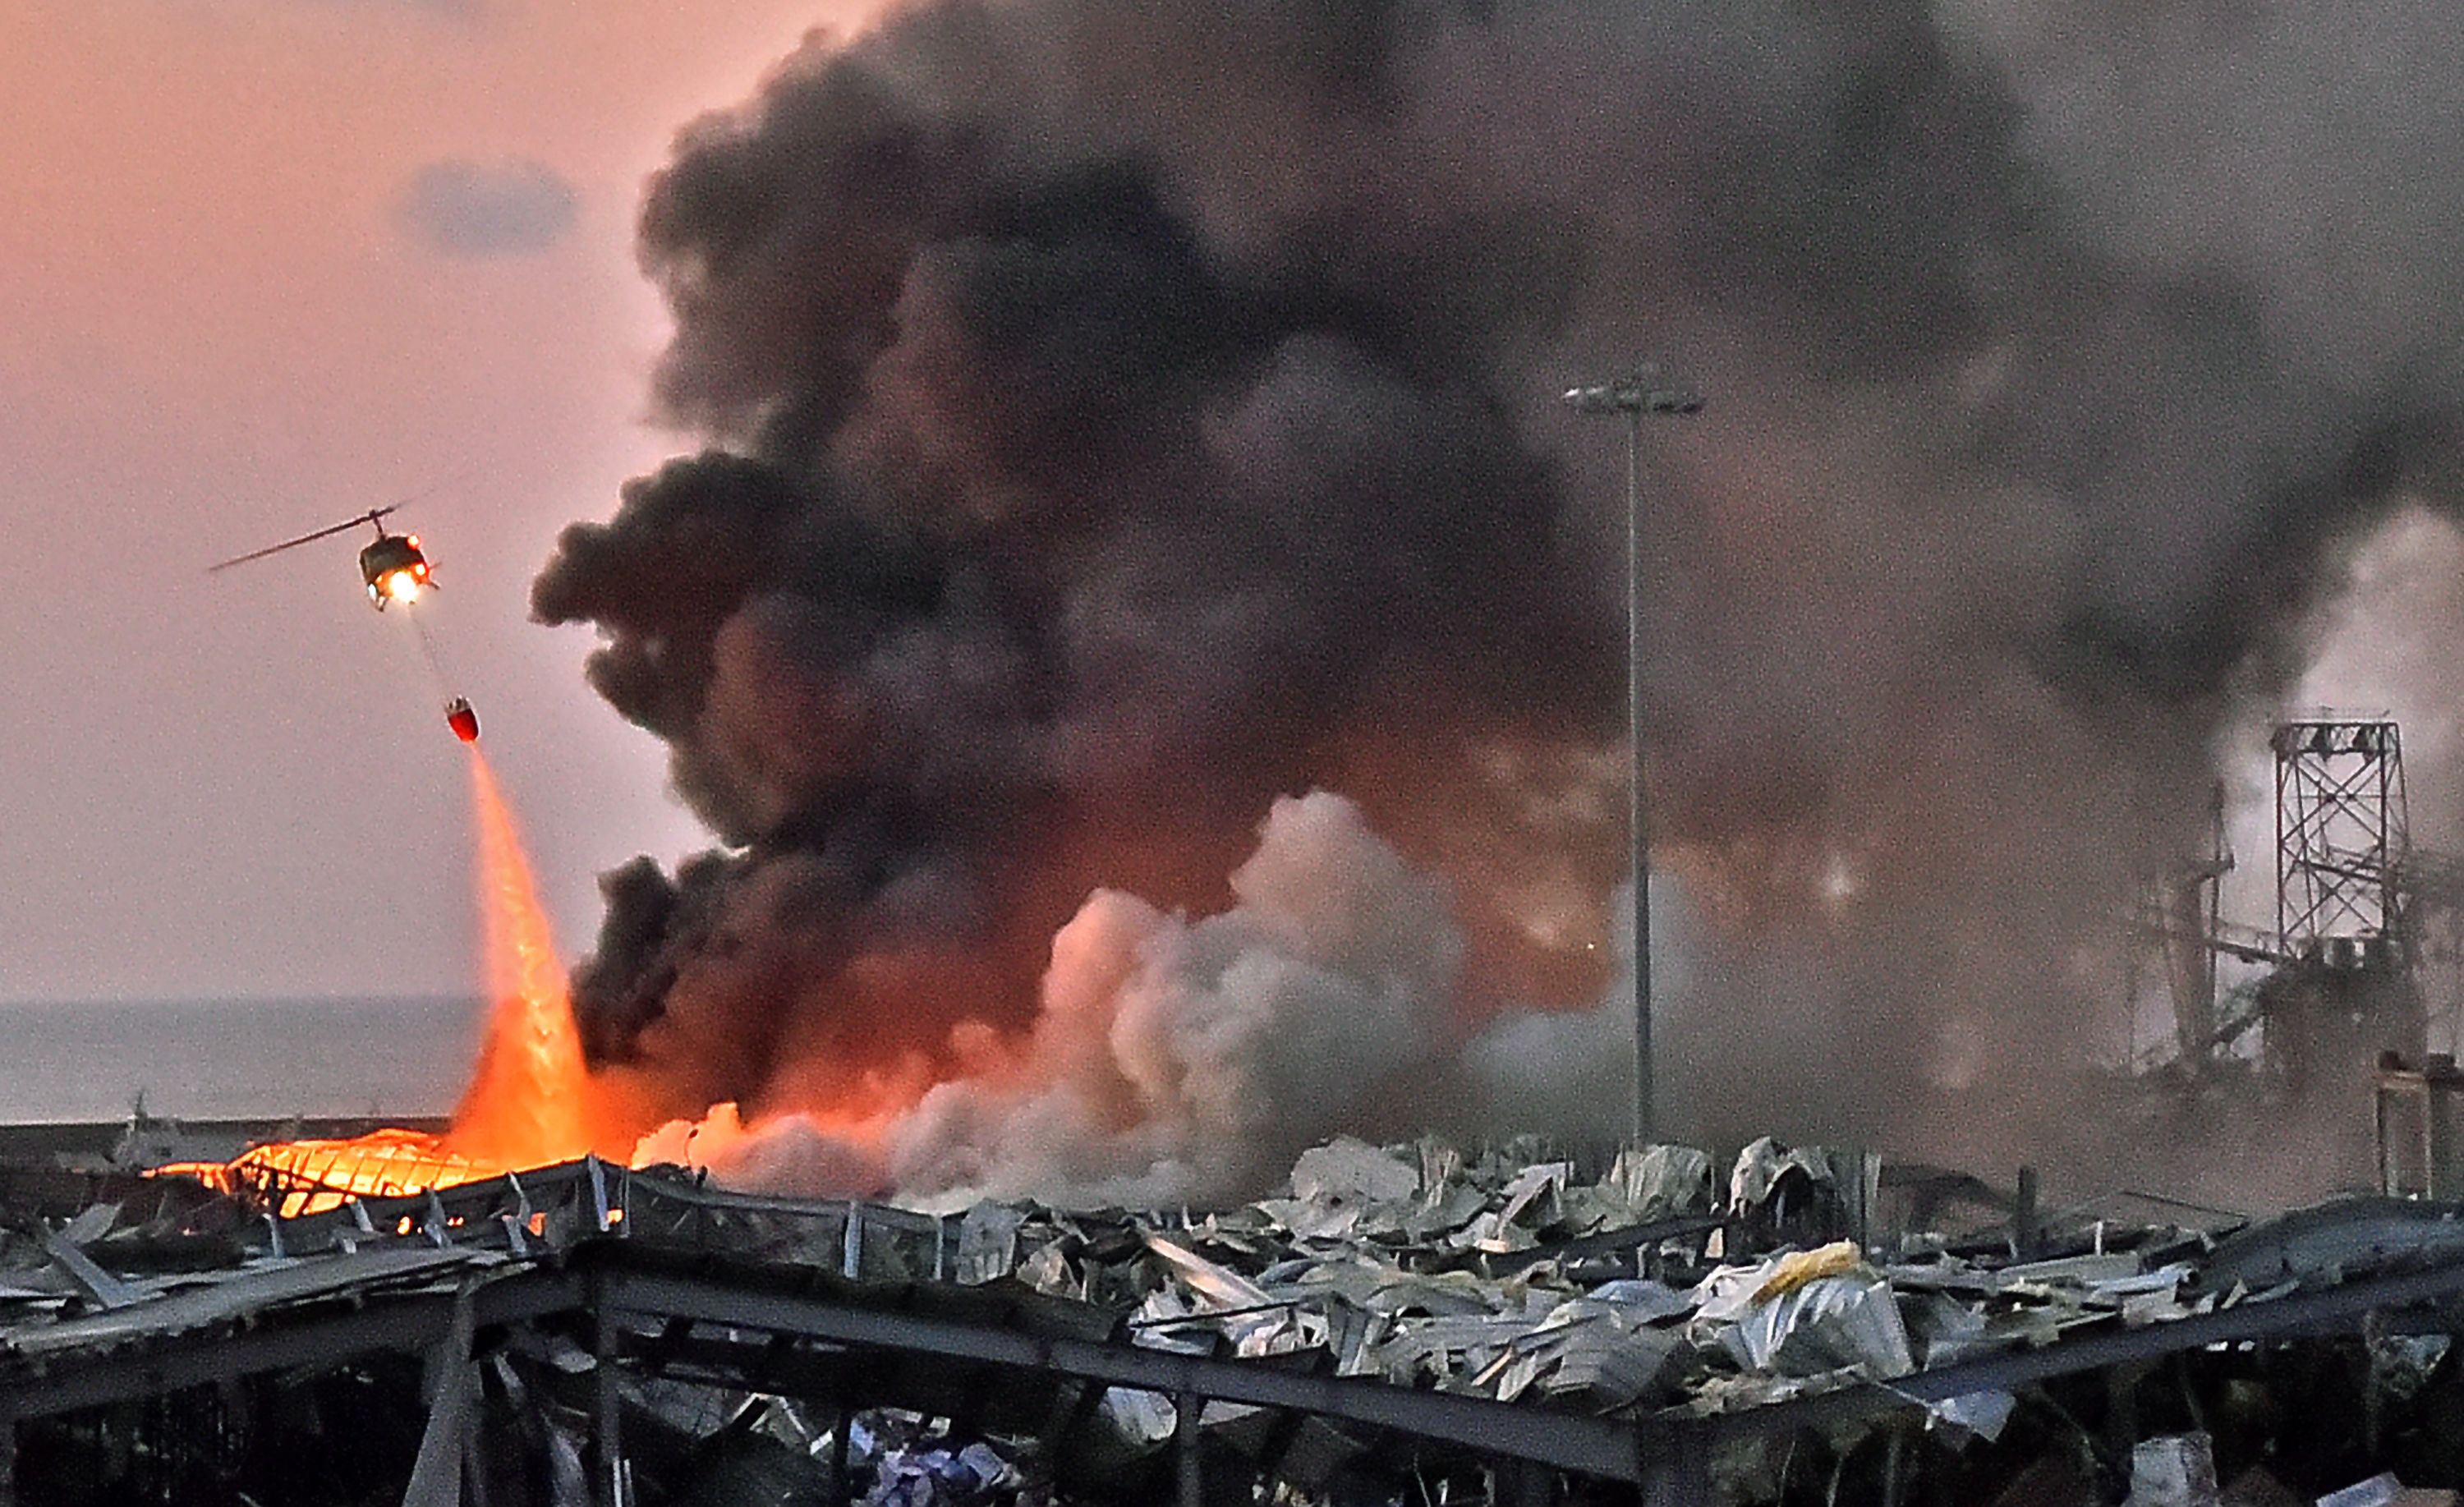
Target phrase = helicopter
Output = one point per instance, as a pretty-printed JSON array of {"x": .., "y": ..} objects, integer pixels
[
  {"x": 392, "y": 564},
  {"x": 395, "y": 570}
]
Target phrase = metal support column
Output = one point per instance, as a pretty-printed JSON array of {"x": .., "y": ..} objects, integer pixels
[
  {"x": 1679, "y": 1474},
  {"x": 607, "y": 1410},
  {"x": 438, "y": 1471},
  {"x": 1522, "y": 1483},
  {"x": 1638, "y": 805},
  {"x": 1189, "y": 1485},
  {"x": 1632, "y": 396},
  {"x": 842, "y": 1490}
]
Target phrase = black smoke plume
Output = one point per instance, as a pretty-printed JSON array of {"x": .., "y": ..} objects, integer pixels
[{"x": 1122, "y": 414}]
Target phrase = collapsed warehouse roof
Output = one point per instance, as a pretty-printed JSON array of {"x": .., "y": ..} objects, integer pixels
[{"x": 1400, "y": 1314}]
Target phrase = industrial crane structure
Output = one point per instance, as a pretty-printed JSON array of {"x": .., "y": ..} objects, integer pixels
[{"x": 2368, "y": 946}]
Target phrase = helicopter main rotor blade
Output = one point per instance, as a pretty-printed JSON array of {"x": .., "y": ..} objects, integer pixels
[
  {"x": 369, "y": 517},
  {"x": 453, "y": 479}
]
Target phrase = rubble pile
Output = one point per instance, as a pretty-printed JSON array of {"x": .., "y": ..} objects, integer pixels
[
  {"x": 1657, "y": 1289},
  {"x": 1788, "y": 1326},
  {"x": 722, "y": 1449},
  {"x": 1485, "y": 1276},
  {"x": 1519, "y": 1280}
]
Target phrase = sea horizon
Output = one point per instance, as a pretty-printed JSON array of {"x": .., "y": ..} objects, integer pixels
[{"x": 235, "y": 1056}]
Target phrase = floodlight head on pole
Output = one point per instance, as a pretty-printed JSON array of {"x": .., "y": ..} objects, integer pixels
[
  {"x": 1638, "y": 392},
  {"x": 1641, "y": 391}
]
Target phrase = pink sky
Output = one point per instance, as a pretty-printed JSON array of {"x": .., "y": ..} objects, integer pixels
[{"x": 218, "y": 328}]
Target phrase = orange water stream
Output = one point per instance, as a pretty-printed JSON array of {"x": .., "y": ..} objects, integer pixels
[{"x": 529, "y": 1099}]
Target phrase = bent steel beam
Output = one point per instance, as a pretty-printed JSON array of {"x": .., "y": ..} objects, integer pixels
[{"x": 1597, "y": 1446}]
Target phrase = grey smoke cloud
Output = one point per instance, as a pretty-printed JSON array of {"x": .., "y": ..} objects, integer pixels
[
  {"x": 1121, "y": 415},
  {"x": 1168, "y": 1058},
  {"x": 1174, "y": 1058},
  {"x": 463, "y": 209}
]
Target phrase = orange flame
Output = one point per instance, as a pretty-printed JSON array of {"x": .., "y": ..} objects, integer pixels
[
  {"x": 306, "y": 1178},
  {"x": 529, "y": 1099}
]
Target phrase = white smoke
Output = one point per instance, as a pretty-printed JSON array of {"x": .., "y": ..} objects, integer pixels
[
  {"x": 1170, "y": 1058},
  {"x": 1176, "y": 1059},
  {"x": 1179, "y": 1059}
]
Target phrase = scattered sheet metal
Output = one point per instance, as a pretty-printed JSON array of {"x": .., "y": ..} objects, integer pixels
[
  {"x": 1518, "y": 1273},
  {"x": 2383, "y": 1490},
  {"x": 1430, "y": 1267},
  {"x": 1806, "y": 1313},
  {"x": 2174, "y": 1471}
]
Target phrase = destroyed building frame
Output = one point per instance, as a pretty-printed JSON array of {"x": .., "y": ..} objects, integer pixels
[{"x": 849, "y": 1306}]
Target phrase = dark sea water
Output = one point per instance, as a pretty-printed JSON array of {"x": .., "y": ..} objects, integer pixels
[{"x": 233, "y": 1058}]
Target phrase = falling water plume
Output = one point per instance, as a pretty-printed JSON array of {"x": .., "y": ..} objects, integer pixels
[{"x": 528, "y": 1103}]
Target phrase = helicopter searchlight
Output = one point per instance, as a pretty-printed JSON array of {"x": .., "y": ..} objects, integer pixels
[{"x": 396, "y": 571}]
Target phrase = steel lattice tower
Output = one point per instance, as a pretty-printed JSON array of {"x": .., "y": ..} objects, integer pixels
[
  {"x": 2345, "y": 991},
  {"x": 2341, "y": 842}
]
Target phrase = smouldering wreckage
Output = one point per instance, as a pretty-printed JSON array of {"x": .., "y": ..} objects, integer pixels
[{"x": 1409, "y": 1324}]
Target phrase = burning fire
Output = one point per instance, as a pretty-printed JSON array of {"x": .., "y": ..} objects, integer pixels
[
  {"x": 528, "y": 1102},
  {"x": 309, "y": 1176},
  {"x": 529, "y": 1099}
]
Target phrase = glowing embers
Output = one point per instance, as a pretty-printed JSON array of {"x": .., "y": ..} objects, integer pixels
[{"x": 305, "y": 1177}]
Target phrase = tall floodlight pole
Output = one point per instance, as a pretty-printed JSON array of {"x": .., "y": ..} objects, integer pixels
[{"x": 1639, "y": 392}]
